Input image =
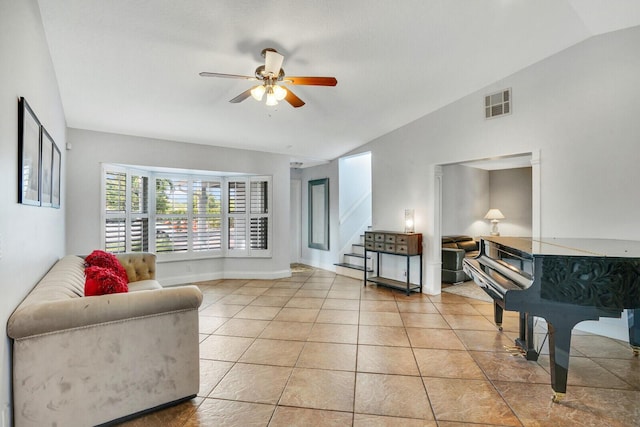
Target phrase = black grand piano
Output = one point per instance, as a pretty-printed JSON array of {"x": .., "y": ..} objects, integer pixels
[{"x": 564, "y": 281}]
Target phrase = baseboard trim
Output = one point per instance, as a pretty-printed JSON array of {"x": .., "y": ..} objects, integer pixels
[
  {"x": 265, "y": 275},
  {"x": 145, "y": 412},
  {"x": 192, "y": 278},
  {"x": 328, "y": 267}
]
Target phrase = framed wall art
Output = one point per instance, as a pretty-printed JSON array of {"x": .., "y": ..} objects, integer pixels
[
  {"x": 46, "y": 166},
  {"x": 28, "y": 155},
  {"x": 55, "y": 177}
]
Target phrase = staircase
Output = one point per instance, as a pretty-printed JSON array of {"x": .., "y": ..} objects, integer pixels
[{"x": 354, "y": 263}]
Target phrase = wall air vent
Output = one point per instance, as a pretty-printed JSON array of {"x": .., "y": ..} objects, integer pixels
[{"x": 497, "y": 104}]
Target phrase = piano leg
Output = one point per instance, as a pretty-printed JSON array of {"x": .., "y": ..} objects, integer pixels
[
  {"x": 526, "y": 341},
  {"x": 633, "y": 317},
  {"x": 559, "y": 348},
  {"x": 497, "y": 314}
]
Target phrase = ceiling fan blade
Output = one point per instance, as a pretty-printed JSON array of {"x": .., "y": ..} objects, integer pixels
[
  {"x": 293, "y": 99},
  {"x": 244, "y": 95},
  {"x": 227, "y": 76},
  {"x": 311, "y": 81},
  {"x": 272, "y": 62}
]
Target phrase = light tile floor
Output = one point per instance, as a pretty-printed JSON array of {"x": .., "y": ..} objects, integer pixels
[{"x": 322, "y": 350}]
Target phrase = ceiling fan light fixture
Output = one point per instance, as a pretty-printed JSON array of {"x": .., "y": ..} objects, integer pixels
[
  {"x": 279, "y": 92},
  {"x": 271, "y": 97},
  {"x": 268, "y": 76},
  {"x": 258, "y": 92}
]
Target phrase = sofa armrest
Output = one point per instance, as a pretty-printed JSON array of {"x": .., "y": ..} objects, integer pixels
[
  {"x": 51, "y": 316},
  {"x": 452, "y": 258},
  {"x": 139, "y": 265}
]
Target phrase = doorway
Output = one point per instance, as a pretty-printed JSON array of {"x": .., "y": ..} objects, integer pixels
[
  {"x": 471, "y": 220},
  {"x": 354, "y": 199}
]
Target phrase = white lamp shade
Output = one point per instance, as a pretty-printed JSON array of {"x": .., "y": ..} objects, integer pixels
[
  {"x": 279, "y": 92},
  {"x": 257, "y": 92},
  {"x": 271, "y": 98},
  {"x": 494, "y": 214},
  {"x": 409, "y": 224}
]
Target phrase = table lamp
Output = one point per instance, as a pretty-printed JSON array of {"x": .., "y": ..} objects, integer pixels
[{"x": 494, "y": 215}]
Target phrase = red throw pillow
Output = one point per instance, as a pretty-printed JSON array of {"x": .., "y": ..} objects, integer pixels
[
  {"x": 101, "y": 281},
  {"x": 104, "y": 259}
]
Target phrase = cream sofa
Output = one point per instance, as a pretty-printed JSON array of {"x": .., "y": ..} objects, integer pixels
[{"x": 83, "y": 361}]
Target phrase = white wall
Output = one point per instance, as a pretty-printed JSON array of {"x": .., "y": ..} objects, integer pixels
[
  {"x": 317, "y": 257},
  {"x": 579, "y": 109},
  {"x": 468, "y": 193},
  {"x": 90, "y": 149},
  {"x": 465, "y": 200},
  {"x": 510, "y": 191},
  {"x": 31, "y": 238}
]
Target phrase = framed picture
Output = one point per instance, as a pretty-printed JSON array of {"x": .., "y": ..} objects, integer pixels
[
  {"x": 28, "y": 155},
  {"x": 46, "y": 166},
  {"x": 55, "y": 177}
]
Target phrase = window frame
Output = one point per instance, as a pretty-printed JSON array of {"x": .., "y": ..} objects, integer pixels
[
  {"x": 205, "y": 216},
  {"x": 152, "y": 215},
  {"x": 256, "y": 252},
  {"x": 247, "y": 216},
  {"x": 128, "y": 215}
]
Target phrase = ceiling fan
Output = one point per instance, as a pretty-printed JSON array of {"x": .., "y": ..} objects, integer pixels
[{"x": 269, "y": 75}]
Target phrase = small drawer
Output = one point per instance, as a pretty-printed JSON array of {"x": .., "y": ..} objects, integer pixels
[
  {"x": 378, "y": 237},
  {"x": 401, "y": 240},
  {"x": 390, "y": 238},
  {"x": 401, "y": 249},
  {"x": 368, "y": 237},
  {"x": 389, "y": 247},
  {"x": 369, "y": 245},
  {"x": 379, "y": 246}
]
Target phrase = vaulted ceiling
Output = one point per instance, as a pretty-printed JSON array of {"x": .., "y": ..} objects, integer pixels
[{"x": 132, "y": 67}]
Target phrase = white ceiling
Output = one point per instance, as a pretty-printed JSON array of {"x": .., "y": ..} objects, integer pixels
[{"x": 132, "y": 67}]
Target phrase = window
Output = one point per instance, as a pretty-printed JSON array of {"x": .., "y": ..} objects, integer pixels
[
  {"x": 259, "y": 218},
  {"x": 126, "y": 211},
  {"x": 139, "y": 213},
  {"x": 172, "y": 217},
  {"x": 116, "y": 207},
  {"x": 237, "y": 225},
  {"x": 185, "y": 216},
  {"x": 207, "y": 213},
  {"x": 248, "y": 215}
]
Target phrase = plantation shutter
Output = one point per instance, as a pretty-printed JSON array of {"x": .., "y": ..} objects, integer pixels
[
  {"x": 139, "y": 218},
  {"x": 115, "y": 236},
  {"x": 184, "y": 216},
  {"x": 237, "y": 221},
  {"x": 259, "y": 221}
]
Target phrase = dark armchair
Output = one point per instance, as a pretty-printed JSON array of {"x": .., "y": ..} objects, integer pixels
[{"x": 454, "y": 250}]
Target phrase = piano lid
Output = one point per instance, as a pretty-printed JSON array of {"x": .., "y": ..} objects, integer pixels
[{"x": 571, "y": 246}]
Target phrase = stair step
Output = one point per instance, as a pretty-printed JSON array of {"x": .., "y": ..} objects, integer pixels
[
  {"x": 355, "y": 255},
  {"x": 358, "y": 245},
  {"x": 353, "y": 266}
]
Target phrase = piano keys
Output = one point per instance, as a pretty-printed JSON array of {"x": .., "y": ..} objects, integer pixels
[{"x": 564, "y": 281}]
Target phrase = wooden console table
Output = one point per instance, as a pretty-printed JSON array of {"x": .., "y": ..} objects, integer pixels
[{"x": 394, "y": 243}]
